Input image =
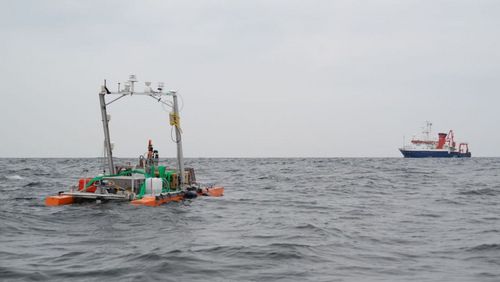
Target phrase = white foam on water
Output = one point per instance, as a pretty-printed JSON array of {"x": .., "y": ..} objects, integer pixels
[{"x": 14, "y": 177}]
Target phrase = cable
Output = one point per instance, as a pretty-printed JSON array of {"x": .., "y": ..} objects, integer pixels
[
  {"x": 172, "y": 135},
  {"x": 165, "y": 109}
]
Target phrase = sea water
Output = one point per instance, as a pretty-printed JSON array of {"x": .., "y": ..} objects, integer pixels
[{"x": 338, "y": 219}]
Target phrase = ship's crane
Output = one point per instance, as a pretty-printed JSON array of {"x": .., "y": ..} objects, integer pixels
[{"x": 450, "y": 139}]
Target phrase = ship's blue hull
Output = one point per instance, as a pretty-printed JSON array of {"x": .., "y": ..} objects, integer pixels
[{"x": 433, "y": 154}]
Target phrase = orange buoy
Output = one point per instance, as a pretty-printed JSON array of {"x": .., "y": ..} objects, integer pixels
[
  {"x": 212, "y": 191},
  {"x": 58, "y": 200},
  {"x": 153, "y": 201}
]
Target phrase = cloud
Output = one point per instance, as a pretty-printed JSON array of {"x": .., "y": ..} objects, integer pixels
[{"x": 259, "y": 78}]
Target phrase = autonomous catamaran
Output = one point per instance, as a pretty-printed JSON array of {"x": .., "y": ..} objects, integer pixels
[{"x": 147, "y": 182}]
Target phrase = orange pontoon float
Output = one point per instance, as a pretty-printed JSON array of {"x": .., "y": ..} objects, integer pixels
[{"x": 148, "y": 183}]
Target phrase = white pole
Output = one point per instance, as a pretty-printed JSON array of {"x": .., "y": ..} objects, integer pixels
[
  {"x": 105, "y": 125},
  {"x": 180, "y": 157}
]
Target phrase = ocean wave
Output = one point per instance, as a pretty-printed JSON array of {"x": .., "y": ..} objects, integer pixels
[
  {"x": 485, "y": 248},
  {"x": 483, "y": 191},
  {"x": 32, "y": 184},
  {"x": 14, "y": 177}
]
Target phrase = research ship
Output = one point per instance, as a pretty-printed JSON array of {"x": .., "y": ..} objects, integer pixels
[{"x": 443, "y": 147}]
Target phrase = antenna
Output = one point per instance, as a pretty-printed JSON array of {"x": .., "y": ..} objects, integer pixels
[
  {"x": 148, "y": 88},
  {"x": 428, "y": 129},
  {"x": 132, "y": 79},
  {"x": 126, "y": 86},
  {"x": 160, "y": 86}
]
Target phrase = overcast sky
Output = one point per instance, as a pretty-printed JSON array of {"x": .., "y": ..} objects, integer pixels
[{"x": 258, "y": 78}]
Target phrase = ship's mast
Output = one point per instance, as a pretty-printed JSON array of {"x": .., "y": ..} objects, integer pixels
[
  {"x": 428, "y": 130},
  {"x": 175, "y": 121},
  {"x": 105, "y": 125}
]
